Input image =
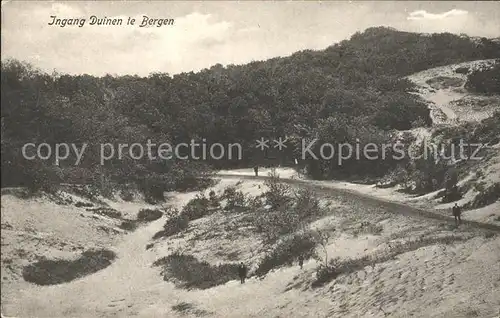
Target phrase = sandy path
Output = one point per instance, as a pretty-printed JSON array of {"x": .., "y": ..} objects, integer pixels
[
  {"x": 131, "y": 287},
  {"x": 349, "y": 196},
  {"x": 441, "y": 99},
  {"x": 103, "y": 291}
]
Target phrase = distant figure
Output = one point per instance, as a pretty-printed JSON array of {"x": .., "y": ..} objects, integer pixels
[
  {"x": 457, "y": 212},
  {"x": 256, "y": 170},
  {"x": 301, "y": 261},
  {"x": 242, "y": 272}
]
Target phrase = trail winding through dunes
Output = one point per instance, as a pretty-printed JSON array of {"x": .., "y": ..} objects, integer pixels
[
  {"x": 344, "y": 195},
  {"x": 449, "y": 101},
  {"x": 131, "y": 287}
]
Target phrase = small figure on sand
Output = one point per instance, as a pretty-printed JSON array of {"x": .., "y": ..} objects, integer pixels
[
  {"x": 242, "y": 272},
  {"x": 457, "y": 213},
  {"x": 256, "y": 170},
  {"x": 301, "y": 261}
]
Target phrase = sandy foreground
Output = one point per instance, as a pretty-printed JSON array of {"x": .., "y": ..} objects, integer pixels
[{"x": 457, "y": 280}]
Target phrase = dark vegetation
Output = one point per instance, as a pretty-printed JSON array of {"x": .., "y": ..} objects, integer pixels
[
  {"x": 196, "y": 208},
  {"x": 287, "y": 252},
  {"x": 149, "y": 215},
  {"x": 430, "y": 173},
  {"x": 287, "y": 210},
  {"x": 187, "y": 272},
  {"x": 110, "y": 212},
  {"x": 351, "y": 90},
  {"x": 462, "y": 70},
  {"x": 129, "y": 225},
  {"x": 485, "y": 81},
  {"x": 485, "y": 197},
  {"x": 189, "y": 309},
  {"x": 143, "y": 216},
  {"x": 280, "y": 216},
  {"x": 52, "y": 272}
]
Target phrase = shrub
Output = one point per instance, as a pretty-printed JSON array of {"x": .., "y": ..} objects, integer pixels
[
  {"x": 175, "y": 225},
  {"x": 235, "y": 198},
  {"x": 485, "y": 81},
  {"x": 278, "y": 193},
  {"x": 452, "y": 192},
  {"x": 287, "y": 251},
  {"x": 81, "y": 204},
  {"x": 127, "y": 195},
  {"x": 214, "y": 200},
  {"x": 300, "y": 209},
  {"x": 148, "y": 215},
  {"x": 480, "y": 186},
  {"x": 462, "y": 70},
  {"x": 188, "y": 272},
  {"x": 228, "y": 192},
  {"x": 128, "y": 225},
  {"x": 52, "y": 272},
  {"x": 486, "y": 197},
  {"x": 110, "y": 212},
  {"x": 44, "y": 178},
  {"x": 370, "y": 228},
  {"x": 307, "y": 204},
  {"x": 189, "y": 309},
  {"x": 273, "y": 224},
  {"x": 196, "y": 208}
]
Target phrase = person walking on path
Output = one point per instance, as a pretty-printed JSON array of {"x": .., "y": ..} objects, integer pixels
[
  {"x": 457, "y": 213},
  {"x": 242, "y": 272},
  {"x": 256, "y": 170},
  {"x": 301, "y": 261}
]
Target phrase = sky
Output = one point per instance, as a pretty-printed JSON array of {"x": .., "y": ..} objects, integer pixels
[{"x": 211, "y": 32}]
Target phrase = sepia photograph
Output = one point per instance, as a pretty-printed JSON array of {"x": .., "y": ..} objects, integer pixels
[{"x": 240, "y": 159}]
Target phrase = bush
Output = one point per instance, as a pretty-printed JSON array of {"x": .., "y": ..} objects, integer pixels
[
  {"x": 188, "y": 272},
  {"x": 127, "y": 195},
  {"x": 214, "y": 200},
  {"x": 274, "y": 224},
  {"x": 149, "y": 215},
  {"x": 128, "y": 225},
  {"x": 369, "y": 228},
  {"x": 306, "y": 204},
  {"x": 485, "y": 81},
  {"x": 235, "y": 198},
  {"x": 196, "y": 208},
  {"x": 110, "y": 212},
  {"x": 287, "y": 251},
  {"x": 486, "y": 197},
  {"x": 175, "y": 225},
  {"x": 300, "y": 209},
  {"x": 44, "y": 178},
  {"x": 452, "y": 192},
  {"x": 81, "y": 204},
  {"x": 278, "y": 193},
  {"x": 52, "y": 272},
  {"x": 462, "y": 70}
]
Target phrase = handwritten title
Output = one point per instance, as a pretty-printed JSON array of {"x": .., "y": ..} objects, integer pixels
[{"x": 145, "y": 21}]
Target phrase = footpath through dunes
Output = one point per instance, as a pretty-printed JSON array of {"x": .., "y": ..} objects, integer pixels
[
  {"x": 436, "y": 280},
  {"x": 353, "y": 198},
  {"x": 449, "y": 101},
  {"x": 98, "y": 295}
]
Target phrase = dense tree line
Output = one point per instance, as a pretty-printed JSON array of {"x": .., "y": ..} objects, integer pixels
[{"x": 350, "y": 91}]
